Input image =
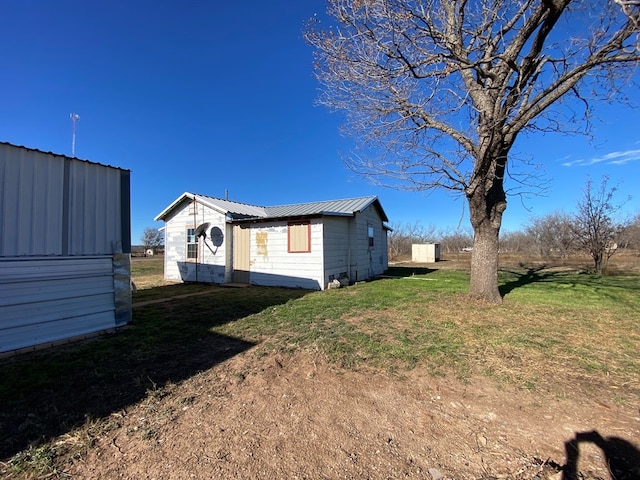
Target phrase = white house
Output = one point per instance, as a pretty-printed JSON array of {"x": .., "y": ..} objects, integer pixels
[
  {"x": 305, "y": 245},
  {"x": 65, "y": 244}
]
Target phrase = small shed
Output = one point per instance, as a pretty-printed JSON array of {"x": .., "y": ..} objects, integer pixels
[
  {"x": 305, "y": 245},
  {"x": 65, "y": 247},
  {"x": 425, "y": 252}
]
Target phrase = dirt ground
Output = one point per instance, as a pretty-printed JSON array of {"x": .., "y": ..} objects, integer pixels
[{"x": 270, "y": 415}]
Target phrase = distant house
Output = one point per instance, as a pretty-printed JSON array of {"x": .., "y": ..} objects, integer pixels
[
  {"x": 307, "y": 245},
  {"x": 65, "y": 244}
]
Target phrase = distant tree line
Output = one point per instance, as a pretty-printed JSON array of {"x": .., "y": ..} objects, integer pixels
[{"x": 595, "y": 228}]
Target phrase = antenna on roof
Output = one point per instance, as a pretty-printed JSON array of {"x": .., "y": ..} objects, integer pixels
[
  {"x": 74, "y": 118},
  {"x": 226, "y": 194}
]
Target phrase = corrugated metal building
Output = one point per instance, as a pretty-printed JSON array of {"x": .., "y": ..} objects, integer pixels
[
  {"x": 65, "y": 245},
  {"x": 304, "y": 245}
]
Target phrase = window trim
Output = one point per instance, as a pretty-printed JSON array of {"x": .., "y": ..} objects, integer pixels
[
  {"x": 191, "y": 236},
  {"x": 371, "y": 235},
  {"x": 306, "y": 223}
]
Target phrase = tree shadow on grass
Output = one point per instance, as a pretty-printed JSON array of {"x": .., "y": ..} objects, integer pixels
[
  {"x": 524, "y": 277},
  {"x": 542, "y": 273},
  {"x": 50, "y": 392},
  {"x": 408, "y": 271}
]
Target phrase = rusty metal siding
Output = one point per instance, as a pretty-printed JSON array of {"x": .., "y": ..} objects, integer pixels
[{"x": 46, "y": 299}]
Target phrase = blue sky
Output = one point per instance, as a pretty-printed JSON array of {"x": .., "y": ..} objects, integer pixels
[{"x": 213, "y": 96}]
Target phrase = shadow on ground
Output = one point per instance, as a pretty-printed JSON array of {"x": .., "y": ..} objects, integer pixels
[
  {"x": 523, "y": 277},
  {"x": 48, "y": 393},
  {"x": 621, "y": 457},
  {"x": 408, "y": 270}
]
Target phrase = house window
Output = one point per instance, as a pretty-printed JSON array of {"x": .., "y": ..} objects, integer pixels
[
  {"x": 299, "y": 234},
  {"x": 192, "y": 244},
  {"x": 370, "y": 234}
]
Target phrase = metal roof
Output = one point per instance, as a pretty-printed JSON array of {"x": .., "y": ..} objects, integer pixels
[
  {"x": 235, "y": 209},
  {"x": 244, "y": 211},
  {"x": 344, "y": 207}
]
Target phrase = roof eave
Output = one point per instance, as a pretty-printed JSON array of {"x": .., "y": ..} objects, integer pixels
[
  {"x": 382, "y": 212},
  {"x": 375, "y": 201},
  {"x": 163, "y": 215},
  {"x": 192, "y": 196}
]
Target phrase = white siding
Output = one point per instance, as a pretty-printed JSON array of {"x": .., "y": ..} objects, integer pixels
[
  {"x": 368, "y": 262},
  {"x": 45, "y": 299},
  {"x": 210, "y": 265},
  {"x": 337, "y": 253},
  {"x": 339, "y": 245},
  {"x": 272, "y": 264}
]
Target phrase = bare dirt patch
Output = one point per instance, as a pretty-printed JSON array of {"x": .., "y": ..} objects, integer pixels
[{"x": 269, "y": 415}]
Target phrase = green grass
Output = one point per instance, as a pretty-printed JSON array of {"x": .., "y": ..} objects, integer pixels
[
  {"x": 146, "y": 266},
  {"x": 383, "y": 323},
  {"x": 556, "y": 321},
  {"x": 555, "y": 330}
]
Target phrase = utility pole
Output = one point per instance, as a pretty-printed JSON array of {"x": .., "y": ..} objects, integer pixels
[{"x": 74, "y": 118}]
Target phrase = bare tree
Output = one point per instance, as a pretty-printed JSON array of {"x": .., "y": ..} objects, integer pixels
[
  {"x": 152, "y": 238},
  {"x": 630, "y": 235},
  {"x": 595, "y": 224},
  {"x": 515, "y": 242},
  {"x": 552, "y": 234},
  {"x": 437, "y": 92},
  {"x": 403, "y": 236},
  {"x": 456, "y": 241}
]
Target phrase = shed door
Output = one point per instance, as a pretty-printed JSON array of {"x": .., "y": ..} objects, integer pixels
[{"x": 241, "y": 242}]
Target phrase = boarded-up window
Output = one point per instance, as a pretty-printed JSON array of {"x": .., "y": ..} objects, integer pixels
[
  {"x": 192, "y": 244},
  {"x": 299, "y": 237}
]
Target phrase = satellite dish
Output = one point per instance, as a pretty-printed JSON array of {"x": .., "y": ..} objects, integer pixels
[
  {"x": 201, "y": 230},
  {"x": 216, "y": 236}
]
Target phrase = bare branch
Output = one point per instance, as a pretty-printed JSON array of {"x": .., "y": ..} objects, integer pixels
[{"x": 438, "y": 91}]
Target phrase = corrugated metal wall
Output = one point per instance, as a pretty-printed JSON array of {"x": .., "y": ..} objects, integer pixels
[
  {"x": 64, "y": 247},
  {"x": 45, "y": 299},
  {"x": 55, "y": 205}
]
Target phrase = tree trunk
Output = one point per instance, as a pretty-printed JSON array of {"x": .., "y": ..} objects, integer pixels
[
  {"x": 484, "y": 264},
  {"x": 487, "y": 202},
  {"x": 598, "y": 260}
]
